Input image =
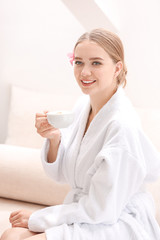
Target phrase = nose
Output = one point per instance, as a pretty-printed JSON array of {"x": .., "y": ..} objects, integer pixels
[{"x": 86, "y": 71}]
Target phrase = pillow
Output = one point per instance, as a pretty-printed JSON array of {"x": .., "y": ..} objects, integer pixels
[
  {"x": 23, "y": 178},
  {"x": 24, "y": 104},
  {"x": 150, "y": 119}
]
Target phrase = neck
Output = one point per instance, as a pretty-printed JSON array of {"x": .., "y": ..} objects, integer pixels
[{"x": 98, "y": 101}]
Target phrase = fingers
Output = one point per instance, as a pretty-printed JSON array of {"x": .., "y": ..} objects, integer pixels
[
  {"x": 43, "y": 127},
  {"x": 13, "y": 214},
  {"x": 15, "y": 218},
  {"x": 46, "y": 129},
  {"x": 44, "y": 114},
  {"x": 50, "y": 133},
  {"x": 41, "y": 114},
  {"x": 41, "y": 122},
  {"x": 20, "y": 218}
]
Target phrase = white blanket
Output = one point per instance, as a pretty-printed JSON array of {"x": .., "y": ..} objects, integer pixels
[{"x": 107, "y": 169}]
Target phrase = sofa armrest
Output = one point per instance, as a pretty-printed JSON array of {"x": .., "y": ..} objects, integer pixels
[{"x": 22, "y": 177}]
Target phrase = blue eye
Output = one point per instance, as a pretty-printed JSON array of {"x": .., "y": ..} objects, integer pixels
[
  {"x": 96, "y": 63},
  {"x": 78, "y": 62}
]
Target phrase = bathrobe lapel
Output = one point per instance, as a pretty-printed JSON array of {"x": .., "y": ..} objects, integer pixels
[
  {"x": 75, "y": 142},
  {"x": 80, "y": 143}
]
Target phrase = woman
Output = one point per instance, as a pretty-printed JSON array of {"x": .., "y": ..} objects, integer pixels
[{"x": 104, "y": 155}]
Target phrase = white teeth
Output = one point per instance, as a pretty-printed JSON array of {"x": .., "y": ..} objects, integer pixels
[{"x": 88, "y": 81}]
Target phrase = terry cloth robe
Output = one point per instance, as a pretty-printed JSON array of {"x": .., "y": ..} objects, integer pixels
[{"x": 107, "y": 168}]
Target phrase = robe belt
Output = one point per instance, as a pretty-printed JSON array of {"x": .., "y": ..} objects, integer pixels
[{"x": 74, "y": 195}]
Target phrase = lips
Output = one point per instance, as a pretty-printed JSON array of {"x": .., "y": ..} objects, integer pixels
[{"x": 87, "y": 82}]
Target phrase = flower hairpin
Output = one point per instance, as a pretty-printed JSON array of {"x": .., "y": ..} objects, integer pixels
[{"x": 71, "y": 57}]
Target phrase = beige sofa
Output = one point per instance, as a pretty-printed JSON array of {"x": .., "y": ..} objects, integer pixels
[{"x": 23, "y": 183}]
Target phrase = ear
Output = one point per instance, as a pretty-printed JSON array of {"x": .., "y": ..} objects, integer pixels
[{"x": 118, "y": 68}]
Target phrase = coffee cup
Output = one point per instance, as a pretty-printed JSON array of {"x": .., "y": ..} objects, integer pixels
[{"x": 60, "y": 119}]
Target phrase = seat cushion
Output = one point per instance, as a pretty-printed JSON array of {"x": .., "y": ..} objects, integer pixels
[{"x": 24, "y": 179}]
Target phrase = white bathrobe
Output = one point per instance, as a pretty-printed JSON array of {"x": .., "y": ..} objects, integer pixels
[{"x": 107, "y": 168}]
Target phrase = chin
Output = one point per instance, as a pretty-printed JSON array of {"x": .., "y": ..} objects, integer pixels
[{"x": 86, "y": 91}]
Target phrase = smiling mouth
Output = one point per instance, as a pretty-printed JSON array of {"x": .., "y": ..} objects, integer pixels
[{"x": 87, "y": 83}]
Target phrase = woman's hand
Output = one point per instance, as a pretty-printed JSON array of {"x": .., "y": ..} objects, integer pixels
[
  {"x": 48, "y": 131},
  {"x": 44, "y": 128},
  {"x": 20, "y": 218}
]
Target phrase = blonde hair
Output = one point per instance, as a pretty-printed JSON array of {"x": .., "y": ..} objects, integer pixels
[{"x": 112, "y": 44}]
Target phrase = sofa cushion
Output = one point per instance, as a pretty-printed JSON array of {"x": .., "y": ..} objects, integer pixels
[
  {"x": 24, "y": 104},
  {"x": 22, "y": 177}
]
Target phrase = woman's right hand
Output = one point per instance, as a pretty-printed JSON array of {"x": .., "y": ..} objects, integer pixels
[{"x": 44, "y": 129}]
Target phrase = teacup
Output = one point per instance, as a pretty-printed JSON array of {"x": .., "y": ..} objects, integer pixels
[{"x": 60, "y": 119}]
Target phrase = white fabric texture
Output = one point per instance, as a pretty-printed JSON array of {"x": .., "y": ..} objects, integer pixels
[{"x": 107, "y": 169}]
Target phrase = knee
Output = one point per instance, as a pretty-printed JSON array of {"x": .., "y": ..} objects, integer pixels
[
  {"x": 6, "y": 234},
  {"x": 9, "y": 234}
]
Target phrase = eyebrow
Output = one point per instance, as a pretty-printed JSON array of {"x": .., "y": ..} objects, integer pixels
[{"x": 93, "y": 58}]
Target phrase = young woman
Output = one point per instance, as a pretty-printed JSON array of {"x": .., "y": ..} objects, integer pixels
[{"x": 104, "y": 156}]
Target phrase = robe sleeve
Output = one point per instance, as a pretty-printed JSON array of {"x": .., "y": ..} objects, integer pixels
[
  {"x": 55, "y": 169},
  {"x": 116, "y": 176}
]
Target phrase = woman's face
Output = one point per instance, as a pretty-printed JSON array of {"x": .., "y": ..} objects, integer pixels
[{"x": 94, "y": 69}]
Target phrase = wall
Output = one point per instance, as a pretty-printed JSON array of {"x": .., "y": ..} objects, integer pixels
[
  {"x": 137, "y": 23},
  {"x": 36, "y": 36}
]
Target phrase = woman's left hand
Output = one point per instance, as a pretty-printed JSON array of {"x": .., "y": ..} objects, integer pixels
[{"x": 20, "y": 218}]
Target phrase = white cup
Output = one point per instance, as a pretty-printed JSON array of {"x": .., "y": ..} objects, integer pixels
[{"x": 60, "y": 119}]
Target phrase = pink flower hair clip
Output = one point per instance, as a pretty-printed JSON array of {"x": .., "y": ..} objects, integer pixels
[{"x": 71, "y": 57}]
